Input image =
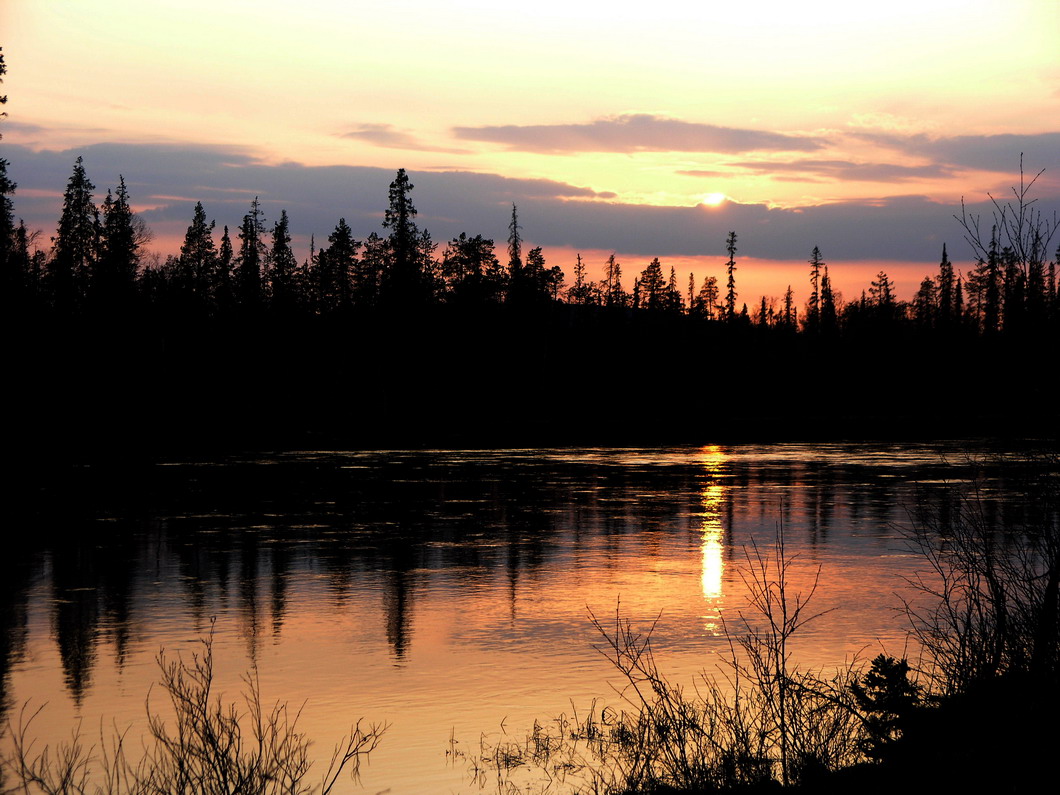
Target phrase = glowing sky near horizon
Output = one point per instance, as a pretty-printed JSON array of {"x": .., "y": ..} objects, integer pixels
[{"x": 669, "y": 105}]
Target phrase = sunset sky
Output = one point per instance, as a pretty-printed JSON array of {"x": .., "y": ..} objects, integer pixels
[{"x": 648, "y": 131}]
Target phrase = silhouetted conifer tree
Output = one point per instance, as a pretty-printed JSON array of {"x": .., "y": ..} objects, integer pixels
[
  {"x": 672, "y": 302},
  {"x": 471, "y": 271},
  {"x": 340, "y": 280},
  {"x": 789, "y": 316},
  {"x": 946, "y": 285},
  {"x": 515, "y": 253},
  {"x": 763, "y": 313},
  {"x": 543, "y": 283},
  {"x": 1014, "y": 291},
  {"x": 77, "y": 241},
  {"x": 22, "y": 274},
  {"x": 431, "y": 268},
  {"x": 813, "y": 305},
  {"x": 581, "y": 291},
  {"x": 223, "y": 287},
  {"x": 197, "y": 270},
  {"x": 991, "y": 287},
  {"x": 614, "y": 295},
  {"x": 403, "y": 279},
  {"x": 730, "y": 289},
  {"x": 1050, "y": 285},
  {"x": 958, "y": 302},
  {"x": 925, "y": 303},
  {"x": 115, "y": 278},
  {"x": 371, "y": 271},
  {"x": 882, "y": 294},
  {"x": 251, "y": 256},
  {"x": 708, "y": 297},
  {"x": 829, "y": 311},
  {"x": 650, "y": 287},
  {"x": 282, "y": 267},
  {"x": 10, "y": 276}
]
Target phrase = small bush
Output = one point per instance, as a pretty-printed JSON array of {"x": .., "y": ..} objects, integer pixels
[{"x": 207, "y": 747}]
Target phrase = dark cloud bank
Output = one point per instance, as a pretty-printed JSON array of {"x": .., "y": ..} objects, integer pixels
[{"x": 225, "y": 179}]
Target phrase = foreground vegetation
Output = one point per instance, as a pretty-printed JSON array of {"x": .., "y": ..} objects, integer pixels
[
  {"x": 197, "y": 745},
  {"x": 975, "y": 713}
]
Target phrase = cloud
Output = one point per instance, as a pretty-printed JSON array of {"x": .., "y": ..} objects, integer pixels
[
  {"x": 705, "y": 174},
  {"x": 986, "y": 152},
  {"x": 553, "y": 214},
  {"x": 849, "y": 171},
  {"x": 22, "y": 128},
  {"x": 170, "y": 179},
  {"x": 901, "y": 228},
  {"x": 640, "y": 132},
  {"x": 389, "y": 137}
]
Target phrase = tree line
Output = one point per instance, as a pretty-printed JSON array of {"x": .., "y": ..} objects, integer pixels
[{"x": 97, "y": 263}]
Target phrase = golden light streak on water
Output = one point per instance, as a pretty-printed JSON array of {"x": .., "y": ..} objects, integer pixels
[{"x": 714, "y": 460}]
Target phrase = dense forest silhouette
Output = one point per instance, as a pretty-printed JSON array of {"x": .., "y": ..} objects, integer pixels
[{"x": 399, "y": 340}]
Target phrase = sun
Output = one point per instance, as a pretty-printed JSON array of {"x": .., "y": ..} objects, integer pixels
[{"x": 714, "y": 199}]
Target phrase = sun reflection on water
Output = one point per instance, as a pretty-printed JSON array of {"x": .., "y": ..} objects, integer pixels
[{"x": 714, "y": 461}]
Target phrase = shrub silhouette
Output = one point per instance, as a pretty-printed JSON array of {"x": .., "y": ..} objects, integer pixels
[{"x": 206, "y": 746}]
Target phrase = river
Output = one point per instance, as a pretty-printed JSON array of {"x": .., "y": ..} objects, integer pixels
[{"x": 446, "y": 593}]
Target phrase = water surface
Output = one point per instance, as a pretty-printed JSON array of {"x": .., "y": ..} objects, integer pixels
[{"x": 446, "y": 592}]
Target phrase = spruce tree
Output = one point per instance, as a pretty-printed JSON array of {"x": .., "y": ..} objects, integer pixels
[
  {"x": 730, "y": 289},
  {"x": 945, "y": 292},
  {"x": 813, "y": 306},
  {"x": 115, "y": 276},
  {"x": 829, "y": 313},
  {"x": 431, "y": 285},
  {"x": 198, "y": 257},
  {"x": 223, "y": 290},
  {"x": 11, "y": 275},
  {"x": 652, "y": 287},
  {"x": 251, "y": 256},
  {"x": 789, "y": 308},
  {"x": 76, "y": 243},
  {"x": 282, "y": 267},
  {"x": 881, "y": 292},
  {"x": 372, "y": 270},
  {"x": 580, "y": 291},
  {"x": 614, "y": 295},
  {"x": 515, "y": 252},
  {"x": 470, "y": 268},
  {"x": 672, "y": 298},
  {"x": 925, "y": 303},
  {"x": 404, "y": 277},
  {"x": 342, "y": 283}
]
